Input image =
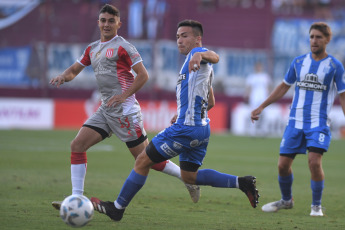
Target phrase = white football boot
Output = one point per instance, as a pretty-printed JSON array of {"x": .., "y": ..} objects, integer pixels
[
  {"x": 277, "y": 205},
  {"x": 194, "y": 192},
  {"x": 316, "y": 210}
]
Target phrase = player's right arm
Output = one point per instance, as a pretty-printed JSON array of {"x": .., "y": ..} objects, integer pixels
[
  {"x": 68, "y": 75},
  {"x": 277, "y": 93},
  {"x": 208, "y": 56}
]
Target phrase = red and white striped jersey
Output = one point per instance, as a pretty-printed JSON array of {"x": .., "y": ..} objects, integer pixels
[{"x": 112, "y": 62}]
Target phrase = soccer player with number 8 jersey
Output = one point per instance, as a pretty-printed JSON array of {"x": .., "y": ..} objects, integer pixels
[{"x": 317, "y": 76}]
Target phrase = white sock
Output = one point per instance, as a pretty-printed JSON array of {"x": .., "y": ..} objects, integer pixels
[
  {"x": 117, "y": 205},
  {"x": 172, "y": 169},
  {"x": 78, "y": 172}
]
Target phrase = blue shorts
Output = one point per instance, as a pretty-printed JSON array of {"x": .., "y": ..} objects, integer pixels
[
  {"x": 189, "y": 142},
  {"x": 298, "y": 140}
]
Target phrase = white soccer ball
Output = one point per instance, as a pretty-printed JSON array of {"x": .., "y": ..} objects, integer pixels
[{"x": 76, "y": 210}]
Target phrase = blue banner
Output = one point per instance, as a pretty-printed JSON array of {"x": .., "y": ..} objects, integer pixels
[{"x": 13, "y": 66}]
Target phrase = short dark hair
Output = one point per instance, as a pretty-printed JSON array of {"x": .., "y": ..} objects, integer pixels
[
  {"x": 323, "y": 28},
  {"x": 110, "y": 9},
  {"x": 196, "y": 26}
]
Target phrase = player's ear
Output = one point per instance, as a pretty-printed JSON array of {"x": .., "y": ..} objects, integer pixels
[{"x": 198, "y": 39}]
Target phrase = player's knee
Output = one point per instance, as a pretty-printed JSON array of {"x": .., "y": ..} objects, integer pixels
[
  {"x": 314, "y": 164},
  {"x": 143, "y": 162},
  {"x": 283, "y": 169},
  {"x": 77, "y": 146}
]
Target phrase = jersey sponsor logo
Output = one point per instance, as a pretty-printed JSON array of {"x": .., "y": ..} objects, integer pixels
[
  {"x": 181, "y": 77},
  {"x": 311, "y": 83},
  {"x": 177, "y": 145},
  {"x": 196, "y": 143},
  {"x": 101, "y": 70},
  {"x": 91, "y": 54},
  {"x": 109, "y": 53},
  {"x": 168, "y": 151}
]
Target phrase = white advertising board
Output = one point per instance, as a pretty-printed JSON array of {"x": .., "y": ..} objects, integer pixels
[{"x": 26, "y": 113}]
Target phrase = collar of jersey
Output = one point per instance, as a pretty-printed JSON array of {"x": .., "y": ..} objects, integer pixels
[{"x": 109, "y": 40}]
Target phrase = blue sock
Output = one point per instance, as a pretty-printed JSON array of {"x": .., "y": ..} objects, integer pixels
[
  {"x": 215, "y": 179},
  {"x": 131, "y": 186},
  {"x": 317, "y": 188},
  {"x": 285, "y": 184}
]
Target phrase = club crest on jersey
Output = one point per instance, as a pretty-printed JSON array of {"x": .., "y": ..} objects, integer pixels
[
  {"x": 109, "y": 53},
  {"x": 311, "y": 82},
  {"x": 181, "y": 77}
]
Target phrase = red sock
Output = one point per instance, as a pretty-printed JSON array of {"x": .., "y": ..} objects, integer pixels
[
  {"x": 159, "y": 166},
  {"x": 78, "y": 158}
]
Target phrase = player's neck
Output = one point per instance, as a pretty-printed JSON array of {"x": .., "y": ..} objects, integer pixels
[
  {"x": 320, "y": 56},
  {"x": 106, "y": 39}
]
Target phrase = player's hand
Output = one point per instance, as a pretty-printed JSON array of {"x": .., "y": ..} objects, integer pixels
[
  {"x": 255, "y": 115},
  {"x": 116, "y": 99},
  {"x": 194, "y": 63},
  {"x": 57, "y": 81},
  {"x": 173, "y": 119}
]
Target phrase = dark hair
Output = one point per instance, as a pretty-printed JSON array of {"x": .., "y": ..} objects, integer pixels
[
  {"x": 196, "y": 26},
  {"x": 323, "y": 28},
  {"x": 110, "y": 9}
]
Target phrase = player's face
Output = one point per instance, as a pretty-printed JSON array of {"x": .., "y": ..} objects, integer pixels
[
  {"x": 318, "y": 42},
  {"x": 108, "y": 25},
  {"x": 186, "y": 40}
]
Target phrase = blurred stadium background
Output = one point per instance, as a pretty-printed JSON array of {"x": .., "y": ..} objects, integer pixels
[{"x": 41, "y": 38}]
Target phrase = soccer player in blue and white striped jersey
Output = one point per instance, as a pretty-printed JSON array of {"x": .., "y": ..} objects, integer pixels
[
  {"x": 317, "y": 77},
  {"x": 189, "y": 134}
]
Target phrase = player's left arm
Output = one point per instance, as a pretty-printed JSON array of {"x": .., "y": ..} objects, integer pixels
[
  {"x": 207, "y": 56},
  {"x": 342, "y": 101},
  {"x": 138, "y": 83},
  {"x": 211, "y": 100}
]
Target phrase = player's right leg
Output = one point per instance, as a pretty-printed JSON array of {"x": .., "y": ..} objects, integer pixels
[
  {"x": 167, "y": 167},
  {"x": 285, "y": 179},
  {"x": 86, "y": 137}
]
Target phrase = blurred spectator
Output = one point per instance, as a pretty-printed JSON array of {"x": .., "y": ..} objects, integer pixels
[
  {"x": 258, "y": 86},
  {"x": 135, "y": 19},
  {"x": 155, "y": 11}
]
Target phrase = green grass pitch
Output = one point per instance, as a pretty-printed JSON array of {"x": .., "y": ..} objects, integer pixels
[{"x": 35, "y": 170}]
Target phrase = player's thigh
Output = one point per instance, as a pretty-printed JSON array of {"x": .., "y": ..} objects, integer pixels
[
  {"x": 136, "y": 150},
  {"x": 85, "y": 138},
  {"x": 319, "y": 137},
  {"x": 127, "y": 128},
  {"x": 293, "y": 141}
]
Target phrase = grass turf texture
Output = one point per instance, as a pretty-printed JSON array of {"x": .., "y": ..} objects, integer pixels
[{"x": 35, "y": 170}]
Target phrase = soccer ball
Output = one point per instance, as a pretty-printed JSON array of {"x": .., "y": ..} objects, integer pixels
[{"x": 76, "y": 210}]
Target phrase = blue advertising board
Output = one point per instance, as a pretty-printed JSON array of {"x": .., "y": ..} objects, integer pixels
[{"x": 13, "y": 66}]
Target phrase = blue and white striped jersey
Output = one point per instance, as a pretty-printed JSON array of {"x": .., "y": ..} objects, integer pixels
[
  {"x": 317, "y": 83},
  {"x": 192, "y": 92}
]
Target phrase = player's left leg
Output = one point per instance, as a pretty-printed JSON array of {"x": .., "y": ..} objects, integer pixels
[
  {"x": 132, "y": 185},
  {"x": 318, "y": 141},
  {"x": 317, "y": 180},
  {"x": 191, "y": 174}
]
